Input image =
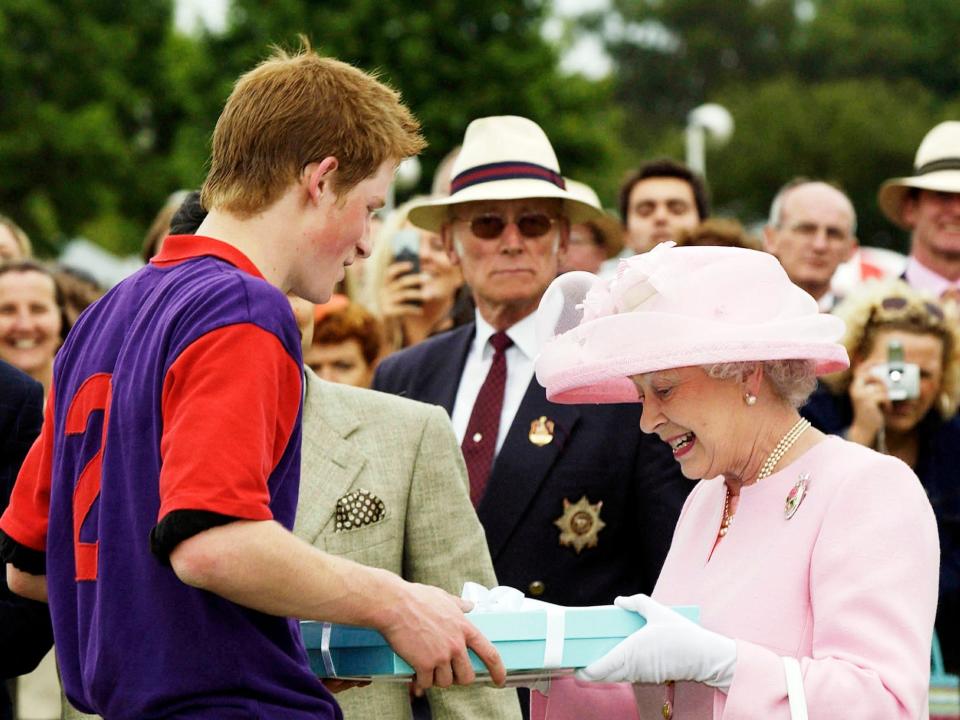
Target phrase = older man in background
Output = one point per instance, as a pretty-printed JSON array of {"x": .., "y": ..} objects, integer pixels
[
  {"x": 569, "y": 517},
  {"x": 811, "y": 231}
]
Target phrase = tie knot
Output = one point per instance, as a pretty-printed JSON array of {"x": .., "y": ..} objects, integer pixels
[{"x": 500, "y": 341}]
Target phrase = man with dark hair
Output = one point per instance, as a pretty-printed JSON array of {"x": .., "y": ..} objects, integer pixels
[
  {"x": 659, "y": 199},
  {"x": 657, "y": 202}
]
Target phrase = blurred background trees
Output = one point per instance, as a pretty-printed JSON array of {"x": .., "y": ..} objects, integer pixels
[{"x": 106, "y": 108}]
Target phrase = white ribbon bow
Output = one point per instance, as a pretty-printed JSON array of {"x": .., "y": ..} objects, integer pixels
[{"x": 508, "y": 599}]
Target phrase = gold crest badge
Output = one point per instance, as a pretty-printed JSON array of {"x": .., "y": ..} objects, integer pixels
[
  {"x": 580, "y": 524},
  {"x": 541, "y": 431}
]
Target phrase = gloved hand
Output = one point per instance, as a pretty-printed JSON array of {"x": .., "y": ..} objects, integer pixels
[{"x": 668, "y": 647}]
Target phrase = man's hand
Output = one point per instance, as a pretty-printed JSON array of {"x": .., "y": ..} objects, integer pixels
[
  {"x": 337, "y": 686},
  {"x": 427, "y": 628}
]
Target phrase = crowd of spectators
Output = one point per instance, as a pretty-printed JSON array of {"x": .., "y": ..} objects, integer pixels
[{"x": 420, "y": 299}]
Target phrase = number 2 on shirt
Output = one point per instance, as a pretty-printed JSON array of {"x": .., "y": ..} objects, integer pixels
[{"x": 94, "y": 394}]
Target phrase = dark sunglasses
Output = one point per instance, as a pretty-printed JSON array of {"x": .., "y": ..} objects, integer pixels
[
  {"x": 895, "y": 303},
  {"x": 531, "y": 225}
]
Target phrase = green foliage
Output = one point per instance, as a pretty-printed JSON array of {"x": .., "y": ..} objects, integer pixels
[
  {"x": 82, "y": 137},
  {"x": 453, "y": 61},
  {"x": 105, "y": 109},
  {"x": 838, "y": 89}
]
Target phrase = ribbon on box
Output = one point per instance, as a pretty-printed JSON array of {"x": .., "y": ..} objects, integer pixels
[
  {"x": 508, "y": 599},
  {"x": 325, "y": 632}
]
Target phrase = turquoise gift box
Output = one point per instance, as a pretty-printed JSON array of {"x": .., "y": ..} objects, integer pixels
[{"x": 519, "y": 636}]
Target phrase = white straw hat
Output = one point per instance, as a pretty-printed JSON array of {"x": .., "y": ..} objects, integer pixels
[
  {"x": 936, "y": 167},
  {"x": 610, "y": 228},
  {"x": 504, "y": 157}
]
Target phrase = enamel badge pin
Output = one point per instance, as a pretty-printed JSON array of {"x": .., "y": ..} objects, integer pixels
[
  {"x": 580, "y": 524},
  {"x": 541, "y": 431},
  {"x": 796, "y": 495}
]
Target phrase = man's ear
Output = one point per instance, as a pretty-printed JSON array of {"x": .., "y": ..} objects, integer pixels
[
  {"x": 446, "y": 235},
  {"x": 852, "y": 249},
  {"x": 317, "y": 177},
  {"x": 908, "y": 210},
  {"x": 770, "y": 239}
]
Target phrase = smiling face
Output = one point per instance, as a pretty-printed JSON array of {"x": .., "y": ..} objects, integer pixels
[
  {"x": 934, "y": 218},
  {"x": 924, "y": 350},
  {"x": 698, "y": 416},
  {"x": 336, "y": 232},
  {"x": 30, "y": 320},
  {"x": 509, "y": 270}
]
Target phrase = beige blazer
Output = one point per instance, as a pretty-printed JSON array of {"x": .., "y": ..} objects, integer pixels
[{"x": 406, "y": 454}]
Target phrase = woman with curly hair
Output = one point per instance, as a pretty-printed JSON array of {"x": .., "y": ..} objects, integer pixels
[{"x": 911, "y": 415}]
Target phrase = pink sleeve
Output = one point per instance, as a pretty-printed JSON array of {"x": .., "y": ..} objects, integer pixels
[{"x": 873, "y": 596}]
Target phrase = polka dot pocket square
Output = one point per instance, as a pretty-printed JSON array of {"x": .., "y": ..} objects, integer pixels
[{"x": 357, "y": 509}]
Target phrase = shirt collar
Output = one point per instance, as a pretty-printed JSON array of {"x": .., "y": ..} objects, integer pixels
[
  {"x": 921, "y": 277},
  {"x": 179, "y": 248},
  {"x": 827, "y": 301},
  {"x": 523, "y": 334}
]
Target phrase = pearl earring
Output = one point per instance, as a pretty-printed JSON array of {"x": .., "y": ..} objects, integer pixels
[{"x": 750, "y": 399}]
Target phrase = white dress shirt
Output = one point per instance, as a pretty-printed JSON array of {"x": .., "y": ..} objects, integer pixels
[{"x": 520, "y": 357}]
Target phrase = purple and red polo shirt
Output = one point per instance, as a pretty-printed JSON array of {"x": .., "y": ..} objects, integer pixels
[{"x": 176, "y": 397}]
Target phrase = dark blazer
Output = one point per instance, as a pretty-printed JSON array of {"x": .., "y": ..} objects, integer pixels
[
  {"x": 597, "y": 451},
  {"x": 25, "y": 633}
]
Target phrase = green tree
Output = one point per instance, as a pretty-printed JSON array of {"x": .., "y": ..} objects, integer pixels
[
  {"x": 842, "y": 90},
  {"x": 453, "y": 60},
  {"x": 85, "y": 129}
]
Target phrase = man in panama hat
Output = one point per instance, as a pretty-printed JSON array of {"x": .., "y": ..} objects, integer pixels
[
  {"x": 570, "y": 517},
  {"x": 928, "y": 205}
]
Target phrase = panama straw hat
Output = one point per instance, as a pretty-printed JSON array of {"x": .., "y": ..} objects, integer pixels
[
  {"x": 676, "y": 307},
  {"x": 936, "y": 167},
  {"x": 611, "y": 231},
  {"x": 503, "y": 157}
]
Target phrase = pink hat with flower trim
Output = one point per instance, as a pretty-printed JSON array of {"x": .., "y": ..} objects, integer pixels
[{"x": 676, "y": 307}]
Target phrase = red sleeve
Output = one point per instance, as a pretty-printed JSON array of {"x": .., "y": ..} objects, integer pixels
[
  {"x": 27, "y": 516},
  {"x": 230, "y": 402}
]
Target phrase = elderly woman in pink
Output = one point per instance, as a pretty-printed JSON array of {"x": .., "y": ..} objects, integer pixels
[{"x": 813, "y": 560}]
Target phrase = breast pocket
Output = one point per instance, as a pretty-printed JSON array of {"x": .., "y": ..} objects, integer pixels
[{"x": 378, "y": 545}]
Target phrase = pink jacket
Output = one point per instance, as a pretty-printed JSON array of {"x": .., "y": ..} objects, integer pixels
[{"x": 848, "y": 586}]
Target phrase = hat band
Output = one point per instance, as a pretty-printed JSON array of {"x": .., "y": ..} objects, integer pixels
[
  {"x": 936, "y": 165},
  {"x": 505, "y": 171}
]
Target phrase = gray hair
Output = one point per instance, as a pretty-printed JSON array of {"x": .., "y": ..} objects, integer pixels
[{"x": 793, "y": 380}]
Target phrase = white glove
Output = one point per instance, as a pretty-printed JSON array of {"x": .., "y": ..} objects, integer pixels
[{"x": 668, "y": 647}]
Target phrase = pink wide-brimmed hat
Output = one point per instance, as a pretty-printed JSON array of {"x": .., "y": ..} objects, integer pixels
[{"x": 676, "y": 307}]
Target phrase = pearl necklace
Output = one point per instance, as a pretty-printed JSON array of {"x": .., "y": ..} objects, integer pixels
[{"x": 786, "y": 442}]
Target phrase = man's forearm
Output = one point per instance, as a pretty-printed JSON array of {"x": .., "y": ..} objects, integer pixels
[{"x": 262, "y": 566}]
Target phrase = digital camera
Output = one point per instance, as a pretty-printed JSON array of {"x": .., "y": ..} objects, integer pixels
[{"x": 901, "y": 378}]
